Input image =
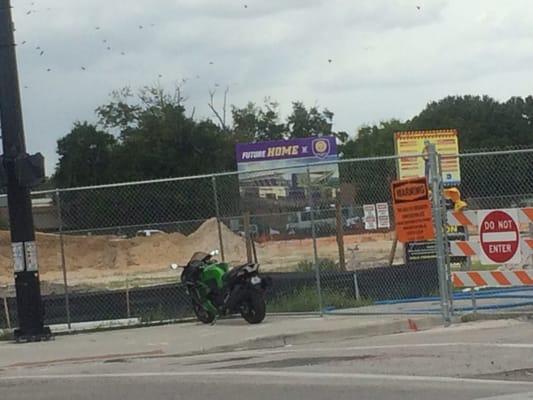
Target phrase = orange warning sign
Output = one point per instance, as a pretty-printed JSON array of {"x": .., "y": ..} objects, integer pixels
[{"x": 412, "y": 210}]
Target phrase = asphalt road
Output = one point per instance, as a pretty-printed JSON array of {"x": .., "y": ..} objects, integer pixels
[{"x": 470, "y": 361}]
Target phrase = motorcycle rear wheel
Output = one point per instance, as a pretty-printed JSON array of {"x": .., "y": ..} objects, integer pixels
[{"x": 253, "y": 307}]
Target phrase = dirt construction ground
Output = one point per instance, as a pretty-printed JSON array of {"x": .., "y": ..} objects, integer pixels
[{"x": 101, "y": 260}]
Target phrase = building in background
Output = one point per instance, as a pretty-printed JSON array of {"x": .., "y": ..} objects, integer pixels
[{"x": 274, "y": 178}]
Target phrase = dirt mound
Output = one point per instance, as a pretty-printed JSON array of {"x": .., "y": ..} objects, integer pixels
[
  {"x": 205, "y": 238},
  {"x": 91, "y": 254},
  {"x": 98, "y": 260}
]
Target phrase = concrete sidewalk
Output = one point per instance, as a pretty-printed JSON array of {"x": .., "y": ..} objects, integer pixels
[{"x": 191, "y": 338}]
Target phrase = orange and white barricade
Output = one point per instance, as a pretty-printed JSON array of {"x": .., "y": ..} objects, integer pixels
[
  {"x": 463, "y": 279},
  {"x": 469, "y": 218}
]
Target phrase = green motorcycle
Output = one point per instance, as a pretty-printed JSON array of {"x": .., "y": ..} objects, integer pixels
[{"x": 216, "y": 290}]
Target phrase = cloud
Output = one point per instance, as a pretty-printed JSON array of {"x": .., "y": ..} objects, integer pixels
[{"x": 388, "y": 58}]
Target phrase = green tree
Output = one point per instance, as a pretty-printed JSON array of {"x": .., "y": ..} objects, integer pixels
[
  {"x": 303, "y": 122},
  {"x": 482, "y": 122},
  {"x": 85, "y": 156},
  {"x": 375, "y": 140},
  {"x": 254, "y": 123}
]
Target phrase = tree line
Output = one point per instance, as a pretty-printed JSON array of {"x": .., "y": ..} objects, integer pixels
[{"x": 151, "y": 134}]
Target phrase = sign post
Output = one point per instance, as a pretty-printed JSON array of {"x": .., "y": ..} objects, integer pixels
[
  {"x": 22, "y": 172},
  {"x": 441, "y": 242}
]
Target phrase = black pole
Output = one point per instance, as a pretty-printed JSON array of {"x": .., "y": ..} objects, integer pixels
[{"x": 29, "y": 304}]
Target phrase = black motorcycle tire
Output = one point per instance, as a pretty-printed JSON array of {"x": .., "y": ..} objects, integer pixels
[
  {"x": 253, "y": 307},
  {"x": 202, "y": 314}
]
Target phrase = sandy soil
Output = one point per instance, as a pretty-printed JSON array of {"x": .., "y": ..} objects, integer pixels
[{"x": 101, "y": 260}]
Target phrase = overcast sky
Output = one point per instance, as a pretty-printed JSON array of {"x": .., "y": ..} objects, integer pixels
[{"x": 388, "y": 57}]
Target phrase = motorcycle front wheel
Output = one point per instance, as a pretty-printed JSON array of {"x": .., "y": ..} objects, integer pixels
[
  {"x": 253, "y": 308},
  {"x": 202, "y": 314}
]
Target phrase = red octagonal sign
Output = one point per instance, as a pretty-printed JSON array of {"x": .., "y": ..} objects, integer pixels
[{"x": 499, "y": 236}]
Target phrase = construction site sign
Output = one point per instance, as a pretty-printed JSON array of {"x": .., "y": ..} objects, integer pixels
[
  {"x": 414, "y": 142},
  {"x": 383, "y": 215},
  {"x": 272, "y": 171},
  {"x": 370, "y": 216},
  {"x": 412, "y": 210}
]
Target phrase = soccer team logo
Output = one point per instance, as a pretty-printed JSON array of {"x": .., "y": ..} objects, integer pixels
[{"x": 321, "y": 148}]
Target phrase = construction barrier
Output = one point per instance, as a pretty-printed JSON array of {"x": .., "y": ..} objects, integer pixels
[
  {"x": 472, "y": 248},
  {"x": 469, "y": 218},
  {"x": 503, "y": 232},
  {"x": 462, "y": 279}
]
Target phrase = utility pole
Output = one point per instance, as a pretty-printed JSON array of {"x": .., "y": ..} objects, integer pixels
[{"x": 19, "y": 171}]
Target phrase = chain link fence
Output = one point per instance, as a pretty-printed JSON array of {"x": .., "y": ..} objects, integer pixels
[{"x": 104, "y": 251}]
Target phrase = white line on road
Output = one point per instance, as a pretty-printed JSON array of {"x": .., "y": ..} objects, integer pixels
[{"x": 274, "y": 374}]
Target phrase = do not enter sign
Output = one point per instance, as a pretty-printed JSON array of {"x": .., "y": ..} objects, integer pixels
[{"x": 499, "y": 235}]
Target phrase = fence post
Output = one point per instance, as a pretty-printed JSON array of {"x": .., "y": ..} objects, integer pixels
[
  {"x": 6, "y": 310},
  {"x": 356, "y": 286},
  {"x": 439, "y": 221},
  {"x": 313, "y": 233},
  {"x": 531, "y": 237},
  {"x": 340, "y": 234},
  {"x": 217, "y": 215},
  {"x": 63, "y": 260},
  {"x": 128, "y": 309},
  {"x": 447, "y": 253},
  {"x": 247, "y": 236}
]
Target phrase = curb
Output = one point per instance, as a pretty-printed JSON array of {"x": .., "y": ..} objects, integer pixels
[
  {"x": 472, "y": 317},
  {"x": 377, "y": 329}
]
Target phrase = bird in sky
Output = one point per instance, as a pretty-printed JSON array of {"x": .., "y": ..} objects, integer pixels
[
  {"x": 41, "y": 53},
  {"x": 418, "y": 8},
  {"x": 329, "y": 60},
  {"x": 83, "y": 68},
  {"x": 48, "y": 69},
  {"x": 211, "y": 62}
]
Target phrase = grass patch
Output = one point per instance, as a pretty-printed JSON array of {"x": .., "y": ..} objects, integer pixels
[
  {"x": 306, "y": 299},
  {"x": 6, "y": 335},
  {"x": 136, "y": 282},
  {"x": 324, "y": 265},
  {"x": 477, "y": 266},
  {"x": 157, "y": 314}
]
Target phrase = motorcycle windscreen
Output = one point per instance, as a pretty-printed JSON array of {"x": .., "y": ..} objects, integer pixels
[{"x": 198, "y": 256}]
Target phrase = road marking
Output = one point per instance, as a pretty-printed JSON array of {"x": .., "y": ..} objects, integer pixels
[
  {"x": 515, "y": 396},
  {"x": 273, "y": 374},
  {"x": 156, "y": 354}
]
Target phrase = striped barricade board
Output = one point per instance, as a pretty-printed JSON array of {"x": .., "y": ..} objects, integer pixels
[{"x": 463, "y": 279}]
